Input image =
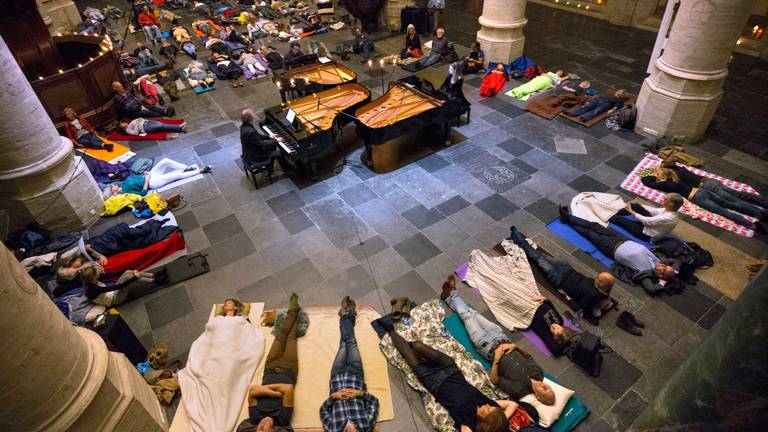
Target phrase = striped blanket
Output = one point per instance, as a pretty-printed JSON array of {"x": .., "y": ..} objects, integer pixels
[{"x": 633, "y": 184}]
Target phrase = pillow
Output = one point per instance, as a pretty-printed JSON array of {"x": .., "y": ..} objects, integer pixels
[{"x": 548, "y": 414}]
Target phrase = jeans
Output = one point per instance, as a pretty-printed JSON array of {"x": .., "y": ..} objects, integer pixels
[
  {"x": 605, "y": 239},
  {"x": 90, "y": 140},
  {"x": 283, "y": 355},
  {"x": 590, "y": 109},
  {"x": 146, "y": 70},
  {"x": 155, "y": 126},
  {"x": 152, "y": 33},
  {"x": 348, "y": 356},
  {"x": 168, "y": 171},
  {"x": 485, "y": 335},
  {"x": 717, "y": 204},
  {"x": 554, "y": 270},
  {"x": 725, "y": 192},
  {"x": 148, "y": 110},
  {"x": 431, "y": 366}
]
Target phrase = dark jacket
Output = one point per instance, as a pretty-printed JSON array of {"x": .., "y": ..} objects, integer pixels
[
  {"x": 256, "y": 147},
  {"x": 70, "y": 130},
  {"x": 414, "y": 43}
]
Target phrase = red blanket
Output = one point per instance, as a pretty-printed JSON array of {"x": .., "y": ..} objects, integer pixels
[
  {"x": 493, "y": 83},
  {"x": 117, "y": 136},
  {"x": 139, "y": 259}
]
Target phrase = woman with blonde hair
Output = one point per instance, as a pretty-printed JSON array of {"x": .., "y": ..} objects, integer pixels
[
  {"x": 232, "y": 307},
  {"x": 412, "y": 44},
  {"x": 81, "y": 133}
]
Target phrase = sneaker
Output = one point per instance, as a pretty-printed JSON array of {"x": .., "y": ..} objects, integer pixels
[
  {"x": 206, "y": 169},
  {"x": 190, "y": 168},
  {"x": 172, "y": 135}
]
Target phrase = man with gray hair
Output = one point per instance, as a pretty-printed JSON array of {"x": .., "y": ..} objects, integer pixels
[
  {"x": 651, "y": 223},
  {"x": 256, "y": 146}
]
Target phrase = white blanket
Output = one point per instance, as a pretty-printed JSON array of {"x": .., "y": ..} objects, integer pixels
[
  {"x": 596, "y": 206},
  {"x": 219, "y": 370}
]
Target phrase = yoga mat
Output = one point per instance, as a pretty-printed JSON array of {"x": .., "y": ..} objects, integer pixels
[
  {"x": 198, "y": 89},
  {"x": 633, "y": 184},
  {"x": 119, "y": 153},
  {"x": 117, "y": 136},
  {"x": 730, "y": 282},
  {"x": 565, "y": 231},
  {"x": 317, "y": 350},
  {"x": 575, "y": 410},
  {"x": 180, "y": 421}
]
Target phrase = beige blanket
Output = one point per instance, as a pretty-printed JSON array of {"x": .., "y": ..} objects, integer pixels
[
  {"x": 596, "y": 206},
  {"x": 506, "y": 284}
]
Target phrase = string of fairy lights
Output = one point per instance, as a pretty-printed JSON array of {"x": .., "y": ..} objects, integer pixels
[
  {"x": 105, "y": 46},
  {"x": 584, "y": 4}
]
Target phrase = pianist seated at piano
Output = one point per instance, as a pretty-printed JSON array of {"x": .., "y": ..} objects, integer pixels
[
  {"x": 257, "y": 147},
  {"x": 294, "y": 53},
  {"x": 452, "y": 86}
]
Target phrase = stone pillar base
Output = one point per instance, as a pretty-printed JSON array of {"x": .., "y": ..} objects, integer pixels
[
  {"x": 673, "y": 106},
  {"x": 501, "y": 46},
  {"x": 63, "y": 197},
  {"x": 63, "y": 15}
]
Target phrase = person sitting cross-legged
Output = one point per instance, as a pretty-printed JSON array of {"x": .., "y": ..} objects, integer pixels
[
  {"x": 514, "y": 371},
  {"x": 270, "y": 405},
  {"x": 350, "y": 408},
  {"x": 591, "y": 294},
  {"x": 469, "y": 408}
]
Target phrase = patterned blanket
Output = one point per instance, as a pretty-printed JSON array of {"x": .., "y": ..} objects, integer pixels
[
  {"x": 427, "y": 326},
  {"x": 633, "y": 184}
]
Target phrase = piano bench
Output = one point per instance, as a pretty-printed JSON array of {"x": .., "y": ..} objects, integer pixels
[{"x": 255, "y": 168}]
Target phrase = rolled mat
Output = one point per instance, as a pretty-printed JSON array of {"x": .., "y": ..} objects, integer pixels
[
  {"x": 575, "y": 410},
  {"x": 118, "y": 136},
  {"x": 119, "y": 153}
]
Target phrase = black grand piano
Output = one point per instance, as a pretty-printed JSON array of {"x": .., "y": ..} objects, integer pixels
[
  {"x": 306, "y": 128},
  {"x": 311, "y": 74},
  {"x": 410, "y": 105}
]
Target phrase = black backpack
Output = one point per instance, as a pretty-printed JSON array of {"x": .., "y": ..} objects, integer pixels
[{"x": 585, "y": 352}]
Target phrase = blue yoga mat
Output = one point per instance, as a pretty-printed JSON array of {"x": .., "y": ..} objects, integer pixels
[
  {"x": 575, "y": 410},
  {"x": 565, "y": 231}
]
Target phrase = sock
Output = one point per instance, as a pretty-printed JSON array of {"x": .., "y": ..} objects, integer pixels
[{"x": 294, "y": 303}]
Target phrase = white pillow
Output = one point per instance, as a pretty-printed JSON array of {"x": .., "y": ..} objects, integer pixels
[{"x": 548, "y": 414}]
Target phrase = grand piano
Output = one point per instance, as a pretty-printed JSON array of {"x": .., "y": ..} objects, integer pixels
[
  {"x": 309, "y": 75},
  {"x": 410, "y": 106},
  {"x": 318, "y": 120}
]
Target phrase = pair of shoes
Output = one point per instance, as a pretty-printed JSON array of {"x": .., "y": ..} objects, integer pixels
[
  {"x": 170, "y": 111},
  {"x": 109, "y": 147},
  {"x": 347, "y": 307},
  {"x": 626, "y": 321},
  {"x": 401, "y": 307},
  {"x": 448, "y": 286},
  {"x": 564, "y": 214}
]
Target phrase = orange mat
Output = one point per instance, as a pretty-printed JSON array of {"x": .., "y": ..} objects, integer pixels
[{"x": 119, "y": 153}]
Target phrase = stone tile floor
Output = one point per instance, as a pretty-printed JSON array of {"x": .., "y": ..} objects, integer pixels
[{"x": 381, "y": 236}]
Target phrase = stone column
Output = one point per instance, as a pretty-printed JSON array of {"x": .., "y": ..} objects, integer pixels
[
  {"x": 722, "y": 384},
  {"x": 59, "y": 15},
  {"x": 501, "y": 33},
  {"x": 39, "y": 177},
  {"x": 684, "y": 89},
  {"x": 58, "y": 377}
]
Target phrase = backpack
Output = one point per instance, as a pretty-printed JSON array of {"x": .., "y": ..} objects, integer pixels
[
  {"x": 623, "y": 118},
  {"x": 585, "y": 352},
  {"x": 533, "y": 71}
]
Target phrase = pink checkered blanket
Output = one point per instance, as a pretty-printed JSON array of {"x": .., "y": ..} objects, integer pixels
[{"x": 633, "y": 184}]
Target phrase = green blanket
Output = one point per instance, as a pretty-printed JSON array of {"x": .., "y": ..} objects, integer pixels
[
  {"x": 523, "y": 92},
  {"x": 574, "y": 412}
]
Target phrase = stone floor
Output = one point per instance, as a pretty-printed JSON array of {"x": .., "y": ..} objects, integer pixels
[{"x": 380, "y": 236}]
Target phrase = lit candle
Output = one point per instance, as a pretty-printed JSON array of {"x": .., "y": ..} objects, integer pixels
[
  {"x": 381, "y": 63},
  {"x": 279, "y": 86},
  {"x": 586, "y": 7},
  {"x": 306, "y": 80},
  {"x": 370, "y": 63},
  {"x": 40, "y": 77},
  {"x": 293, "y": 83},
  {"x": 79, "y": 65},
  {"x": 61, "y": 71},
  {"x": 755, "y": 29}
]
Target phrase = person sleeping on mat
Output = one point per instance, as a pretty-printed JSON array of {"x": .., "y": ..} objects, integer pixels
[
  {"x": 650, "y": 272},
  {"x": 469, "y": 408},
  {"x": 142, "y": 127},
  {"x": 598, "y": 105},
  {"x": 652, "y": 223},
  {"x": 709, "y": 194},
  {"x": 270, "y": 405},
  {"x": 592, "y": 295},
  {"x": 232, "y": 308},
  {"x": 163, "y": 173},
  {"x": 114, "y": 293},
  {"x": 81, "y": 133},
  {"x": 514, "y": 371},
  {"x": 129, "y": 106},
  {"x": 350, "y": 408}
]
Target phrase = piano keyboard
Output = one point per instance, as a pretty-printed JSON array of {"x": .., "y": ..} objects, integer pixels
[{"x": 286, "y": 142}]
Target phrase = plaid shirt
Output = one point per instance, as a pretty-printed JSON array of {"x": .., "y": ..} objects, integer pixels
[{"x": 361, "y": 412}]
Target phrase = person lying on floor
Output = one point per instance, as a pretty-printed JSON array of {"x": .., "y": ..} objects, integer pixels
[
  {"x": 350, "y": 407},
  {"x": 130, "y": 107},
  {"x": 232, "y": 308},
  {"x": 254, "y": 64},
  {"x": 469, "y": 408},
  {"x": 513, "y": 370},
  {"x": 114, "y": 293},
  {"x": 651, "y": 223},
  {"x": 81, "y": 133},
  {"x": 164, "y": 172},
  {"x": 592, "y": 295},
  {"x": 650, "y": 272},
  {"x": 141, "y": 127},
  {"x": 722, "y": 192},
  {"x": 270, "y": 405},
  {"x": 594, "y": 107}
]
